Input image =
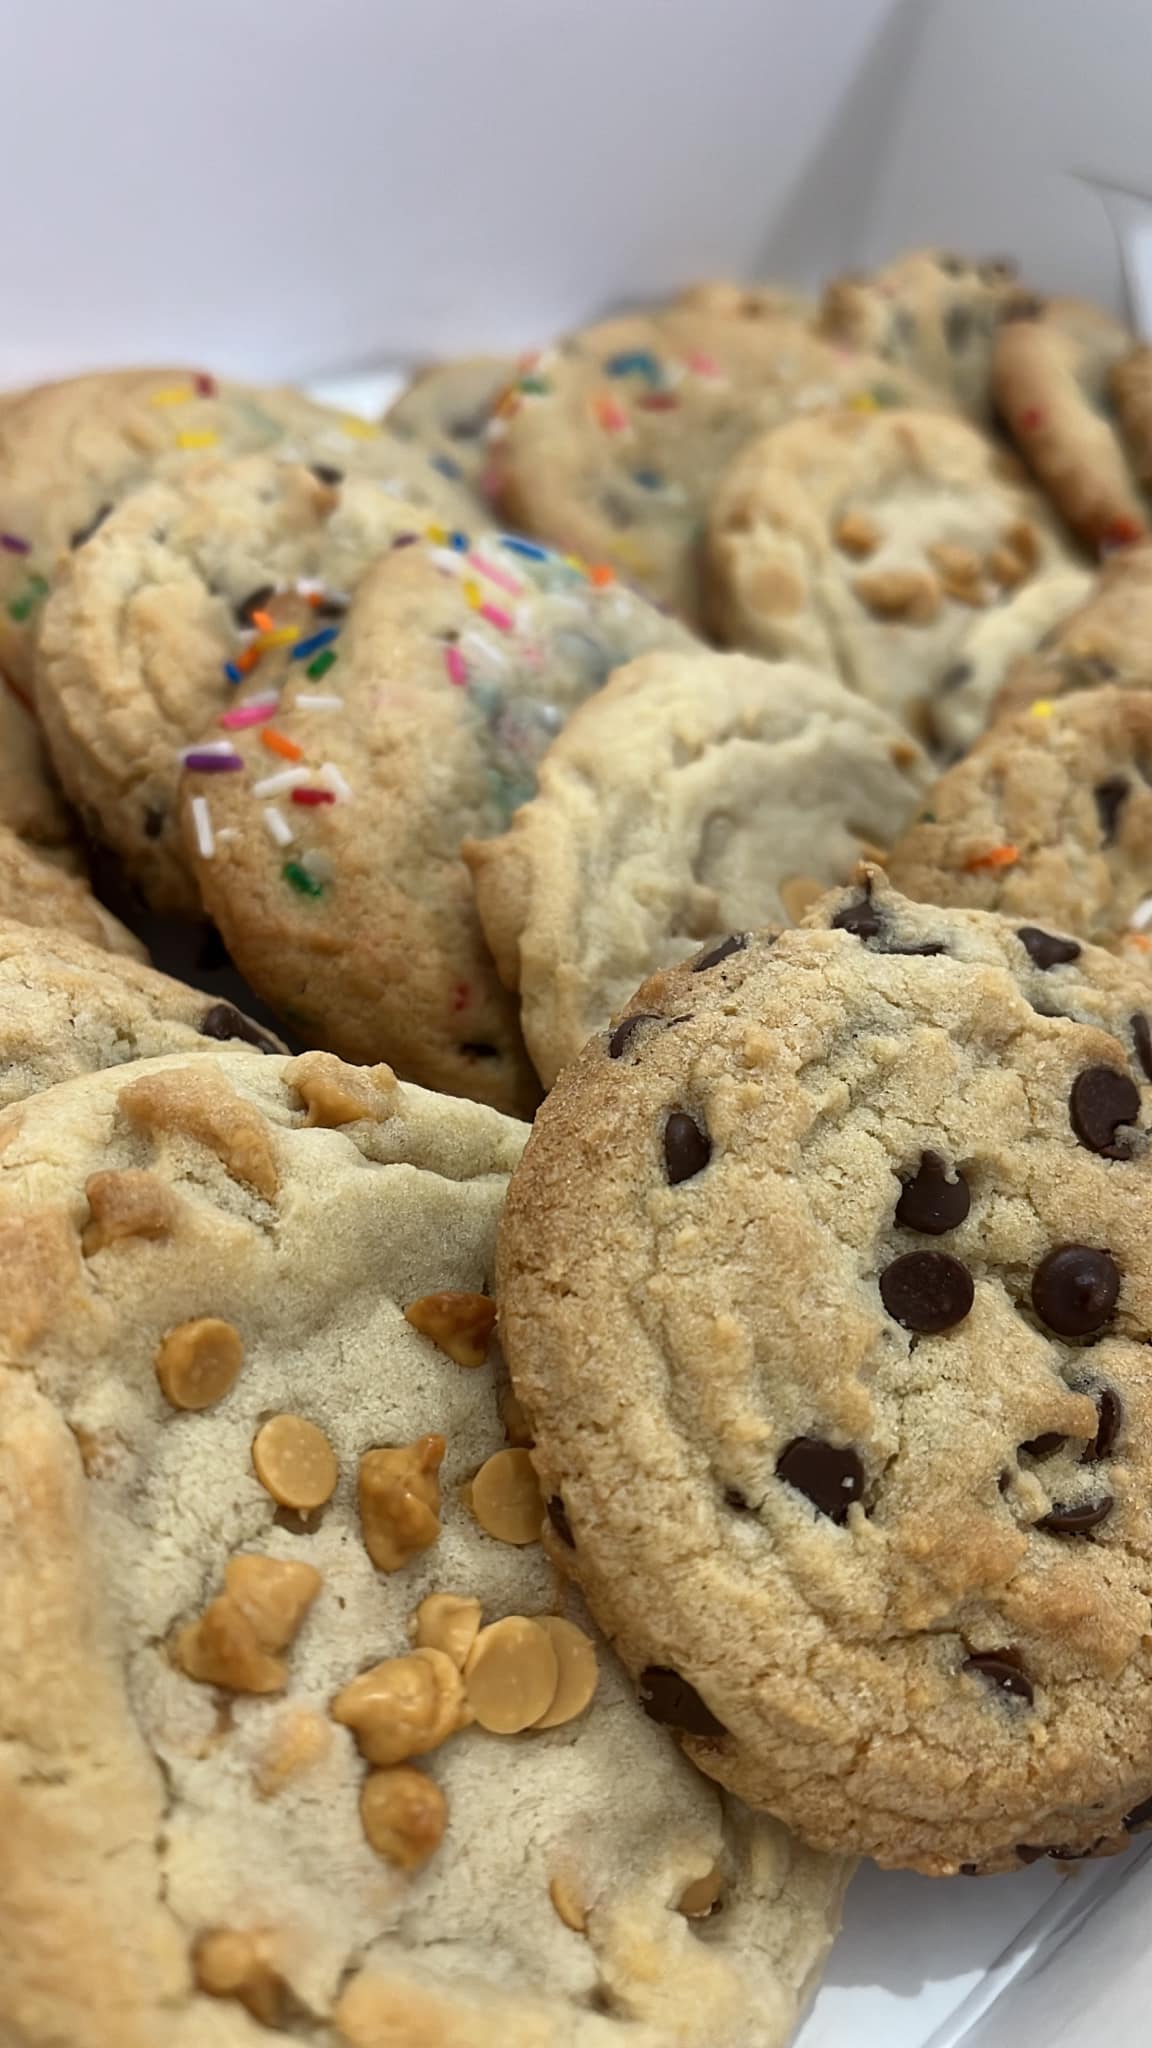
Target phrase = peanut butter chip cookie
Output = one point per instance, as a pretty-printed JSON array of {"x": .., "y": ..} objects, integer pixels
[
  {"x": 257, "y": 1782},
  {"x": 830, "y": 1297}
]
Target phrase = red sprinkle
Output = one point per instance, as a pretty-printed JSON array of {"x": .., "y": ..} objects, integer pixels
[
  {"x": 313, "y": 796},
  {"x": 1122, "y": 533},
  {"x": 1031, "y": 420},
  {"x": 205, "y": 385},
  {"x": 460, "y": 995},
  {"x": 659, "y": 401},
  {"x": 611, "y": 416}
]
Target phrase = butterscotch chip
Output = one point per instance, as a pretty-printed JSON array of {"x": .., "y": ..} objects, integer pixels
[
  {"x": 399, "y": 1495},
  {"x": 506, "y": 1498},
  {"x": 511, "y": 1675},
  {"x": 797, "y": 892},
  {"x": 404, "y": 1815},
  {"x": 568, "y": 1904},
  {"x": 223, "y": 1648},
  {"x": 1005, "y": 565},
  {"x": 201, "y": 1106},
  {"x": 295, "y": 1462},
  {"x": 403, "y": 1707},
  {"x": 461, "y": 1324},
  {"x": 448, "y": 1622},
  {"x": 958, "y": 564},
  {"x": 578, "y": 1671},
  {"x": 129, "y": 1204},
  {"x": 297, "y": 1742},
  {"x": 229, "y": 1964},
  {"x": 517, "y": 1422},
  {"x": 1022, "y": 540},
  {"x": 336, "y": 1094},
  {"x": 698, "y": 1898},
  {"x": 899, "y": 594},
  {"x": 962, "y": 591},
  {"x": 273, "y": 1593},
  {"x": 198, "y": 1362},
  {"x": 856, "y": 534}
]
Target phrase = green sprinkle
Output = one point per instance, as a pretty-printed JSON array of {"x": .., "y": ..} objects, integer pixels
[
  {"x": 298, "y": 878},
  {"x": 322, "y": 664},
  {"x": 537, "y": 387},
  {"x": 25, "y": 602},
  {"x": 887, "y": 395}
]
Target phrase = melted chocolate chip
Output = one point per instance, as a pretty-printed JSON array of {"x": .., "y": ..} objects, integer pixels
[
  {"x": 687, "y": 1148},
  {"x": 1028, "y": 1854},
  {"x": 1110, "y": 798},
  {"x": 1102, "y": 1099},
  {"x": 1110, "y": 1409},
  {"x": 927, "y": 1291},
  {"x": 479, "y": 1049},
  {"x": 1001, "y": 1670},
  {"x": 669, "y": 1699},
  {"x": 954, "y": 678},
  {"x": 736, "y": 942},
  {"x": 624, "y": 1033},
  {"x": 558, "y": 1516},
  {"x": 1139, "y": 1817},
  {"x": 84, "y": 533},
  {"x": 932, "y": 1203},
  {"x": 254, "y": 602},
  {"x": 1045, "y": 948},
  {"x": 736, "y": 1501},
  {"x": 1142, "y": 1040},
  {"x": 333, "y": 607},
  {"x": 959, "y": 324},
  {"x": 1074, "y": 1290},
  {"x": 153, "y": 822},
  {"x": 222, "y": 1021},
  {"x": 859, "y": 918},
  {"x": 829, "y": 1475},
  {"x": 1076, "y": 1519},
  {"x": 326, "y": 473},
  {"x": 1042, "y": 1447}
]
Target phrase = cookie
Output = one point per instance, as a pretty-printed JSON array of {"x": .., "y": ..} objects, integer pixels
[
  {"x": 68, "y": 1008},
  {"x": 43, "y": 893},
  {"x": 30, "y": 802},
  {"x": 611, "y": 444},
  {"x": 931, "y": 312},
  {"x": 446, "y": 409},
  {"x": 342, "y": 1758},
  {"x": 870, "y": 545},
  {"x": 190, "y": 584},
  {"x": 1130, "y": 394},
  {"x": 1107, "y": 639},
  {"x": 967, "y": 692},
  {"x": 696, "y": 794},
  {"x": 70, "y": 451},
  {"x": 733, "y": 299},
  {"x": 330, "y": 858},
  {"x": 829, "y": 1292},
  {"x": 1050, "y": 376},
  {"x": 1049, "y": 818}
]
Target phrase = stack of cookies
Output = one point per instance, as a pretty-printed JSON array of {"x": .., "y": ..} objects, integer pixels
[{"x": 468, "y": 1584}]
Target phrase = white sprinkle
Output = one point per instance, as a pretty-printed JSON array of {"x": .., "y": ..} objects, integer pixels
[
  {"x": 335, "y": 781},
  {"x": 314, "y": 700},
  {"x": 285, "y": 778},
  {"x": 1141, "y": 917},
  {"x": 482, "y": 650},
  {"x": 209, "y": 747},
  {"x": 277, "y": 827},
  {"x": 227, "y": 833},
  {"x": 202, "y": 820},
  {"x": 448, "y": 558},
  {"x": 318, "y": 866}
]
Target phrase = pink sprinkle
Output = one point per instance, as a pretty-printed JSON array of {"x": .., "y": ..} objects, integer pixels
[
  {"x": 313, "y": 796},
  {"x": 496, "y": 617},
  {"x": 205, "y": 386},
  {"x": 496, "y": 575},
  {"x": 248, "y": 714},
  {"x": 456, "y": 665},
  {"x": 703, "y": 364}
]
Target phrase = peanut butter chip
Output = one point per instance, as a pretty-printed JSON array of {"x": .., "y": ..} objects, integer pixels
[
  {"x": 404, "y": 1815},
  {"x": 296, "y": 1743},
  {"x": 461, "y": 1324},
  {"x": 907, "y": 594},
  {"x": 335, "y": 1094},
  {"x": 798, "y": 893},
  {"x": 399, "y": 1493},
  {"x": 698, "y": 1898},
  {"x": 856, "y": 534},
  {"x": 1007, "y": 568},
  {"x": 511, "y": 1675},
  {"x": 568, "y": 1904},
  {"x": 233, "y": 1965},
  {"x": 959, "y": 564},
  {"x": 506, "y": 1498},
  {"x": 259, "y": 1612},
  {"x": 448, "y": 1622},
  {"x": 193, "y": 1103},
  {"x": 198, "y": 1362},
  {"x": 274, "y": 1594},
  {"x": 295, "y": 1462},
  {"x": 576, "y": 1658},
  {"x": 403, "y": 1707},
  {"x": 131, "y": 1204}
]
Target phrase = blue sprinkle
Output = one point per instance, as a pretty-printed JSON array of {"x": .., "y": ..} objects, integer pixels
[
  {"x": 638, "y": 362},
  {"x": 447, "y": 467},
  {"x": 651, "y": 479},
  {"x": 460, "y": 542},
  {"x": 232, "y": 672},
  {"x": 527, "y": 548},
  {"x": 304, "y": 648}
]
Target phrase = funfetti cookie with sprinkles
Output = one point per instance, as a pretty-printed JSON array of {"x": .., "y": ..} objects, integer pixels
[
  {"x": 446, "y": 410},
  {"x": 1105, "y": 639},
  {"x": 829, "y": 1291},
  {"x": 870, "y": 545},
  {"x": 70, "y": 451},
  {"x": 932, "y": 312},
  {"x": 327, "y": 848},
  {"x": 344, "y": 1760},
  {"x": 1051, "y": 369},
  {"x": 227, "y": 571},
  {"x": 611, "y": 443}
]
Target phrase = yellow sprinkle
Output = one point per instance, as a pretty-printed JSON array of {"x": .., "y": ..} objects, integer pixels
[
  {"x": 575, "y": 562},
  {"x": 201, "y": 439},
  {"x": 364, "y": 430},
  {"x": 438, "y": 535},
  {"x": 283, "y": 636},
  {"x": 472, "y": 593},
  {"x": 173, "y": 394},
  {"x": 863, "y": 401},
  {"x": 1042, "y": 707}
]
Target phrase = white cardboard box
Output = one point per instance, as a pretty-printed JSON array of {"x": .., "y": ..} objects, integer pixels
[{"x": 332, "y": 188}]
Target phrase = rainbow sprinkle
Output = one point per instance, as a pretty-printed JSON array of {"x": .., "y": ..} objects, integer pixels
[
  {"x": 321, "y": 665},
  {"x": 173, "y": 394},
  {"x": 298, "y": 878},
  {"x": 24, "y": 603},
  {"x": 279, "y": 743},
  {"x": 503, "y": 620},
  {"x": 336, "y": 781},
  {"x": 200, "y": 438},
  {"x": 275, "y": 785},
  {"x": 308, "y": 795},
  {"x": 313, "y": 700},
  {"x": 211, "y": 761},
  {"x": 202, "y": 825},
  {"x": 304, "y": 649},
  {"x": 252, "y": 713},
  {"x": 530, "y": 549},
  {"x": 14, "y": 545},
  {"x": 611, "y": 416},
  {"x": 277, "y": 827},
  {"x": 495, "y": 574},
  {"x": 456, "y": 666}
]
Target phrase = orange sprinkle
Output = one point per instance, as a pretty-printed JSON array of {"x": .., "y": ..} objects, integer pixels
[
  {"x": 247, "y": 659},
  {"x": 600, "y": 574},
  {"x": 611, "y": 416},
  {"x": 996, "y": 857},
  {"x": 264, "y": 621},
  {"x": 1139, "y": 940},
  {"x": 279, "y": 743}
]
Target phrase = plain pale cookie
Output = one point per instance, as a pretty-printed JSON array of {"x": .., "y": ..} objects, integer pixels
[
  {"x": 1050, "y": 380},
  {"x": 282, "y": 1811},
  {"x": 696, "y": 795},
  {"x": 870, "y": 546},
  {"x": 965, "y": 699},
  {"x": 799, "y": 1290},
  {"x": 933, "y": 313},
  {"x": 1107, "y": 639},
  {"x": 39, "y": 892},
  {"x": 30, "y": 802}
]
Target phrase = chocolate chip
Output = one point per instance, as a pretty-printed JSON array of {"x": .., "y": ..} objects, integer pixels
[
  {"x": 558, "y": 1516},
  {"x": 153, "y": 822},
  {"x": 930, "y": 949},
  {"x": 1110, "y": 1409},
  {"x": 325, "y": 473},
  {"x": 223, "y": 1021},
  {"x": 1074, "y": 1290},
  {"x": 927, "y": 1291},
  {"x": 959, "y": 323},
  {"x": 624, "y": 1033},
  {"x": 687, "y": 1149},
  {"x": 1102, "y": 1099},
  {"x": 254, "y": 602},
  {"x": 954, "y": 678},
  {"x": 478, "y": 1049},
  {"x": 735, "y": 1500},
  {"x": 1028, "y": 1854},
  {"x": 1076, "y": 1519},
  {"x": 669, "y": 1699},
  {"x": 829, "y": 1475},
  {"x": 1045, "y": 948},
  {"x": 1042, "y": 1447},
  {"x": 1001, "y": 1669},
  {"x": 1142, "y": 1039},
  {"x": 1139, "y": 1817},
  {"x": 970, "y": 1870},
  {"x": 931, "y": 1202},
  {"x": 859, "y": 918},
  {"x": 333, "y": 607},
  {"x": 736, "y": 942},
  {"x": 1110, "y": 797},
  {"x": 84, "y": 533}
]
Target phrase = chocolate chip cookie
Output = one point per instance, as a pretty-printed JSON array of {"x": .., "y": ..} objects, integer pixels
[
  {"x": 30, "y": 801},
  {"x": 341, "y": 1759},
  {"x": 828, "y": 1287},
  {"x": 44, "y": 893},
  {"x": 695, "y": 793},
  {"x": 933, "y": 313},
  {"x": 1107, "y": 639}
]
